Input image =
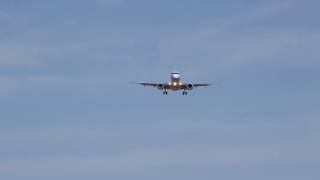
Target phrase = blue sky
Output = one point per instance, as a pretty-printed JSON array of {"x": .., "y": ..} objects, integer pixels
[{"x": 67, "y": 110}]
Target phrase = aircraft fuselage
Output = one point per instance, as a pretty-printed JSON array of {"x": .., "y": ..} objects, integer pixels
[{"x": 175, "y": 81}]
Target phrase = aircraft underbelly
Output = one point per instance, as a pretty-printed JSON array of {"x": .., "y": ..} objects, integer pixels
[
  {"x": 175, "y": 84},
  {"x": 175, "y": 88}
]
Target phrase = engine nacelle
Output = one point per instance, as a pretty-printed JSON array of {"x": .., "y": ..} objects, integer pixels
[
  {"x": 160, "y": 86},
  {"x": 189, "y": 86}
]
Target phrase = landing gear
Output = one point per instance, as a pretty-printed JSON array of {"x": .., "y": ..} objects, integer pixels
[
  {"x": 184, "y": 92},
  {"x": 165, "y": 92}
]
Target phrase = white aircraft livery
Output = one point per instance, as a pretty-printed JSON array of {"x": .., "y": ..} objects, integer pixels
[{"x": 175, "y": 84}]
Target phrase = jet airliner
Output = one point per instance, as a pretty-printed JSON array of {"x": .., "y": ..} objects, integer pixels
[{"x": 175, "y": 84}]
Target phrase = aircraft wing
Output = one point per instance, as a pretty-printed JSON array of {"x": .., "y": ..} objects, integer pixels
[
  {"x": 145, "y": 84},
  {"x": 151, "y": 84},
  {"x": 201, "y": 84}
]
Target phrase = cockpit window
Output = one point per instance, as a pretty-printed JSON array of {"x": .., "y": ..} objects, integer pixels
[{"x": 175, "y": 75}]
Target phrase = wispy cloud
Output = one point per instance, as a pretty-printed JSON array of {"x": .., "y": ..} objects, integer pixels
[
  {"x": 226, "y": 50},
  {"x": 7, "y": 85},
  {"x": 257, "y": 13},
  {"x": 143, "y": 160},
  {"x": 17, "y": 54},
  {"x": 102, "y": 80},
  {"x": 150, "y": 157},
  {"x": 232, "y": 43},
  {"x": 110, "y": 1},
  {"x": 12, "y": 84}
]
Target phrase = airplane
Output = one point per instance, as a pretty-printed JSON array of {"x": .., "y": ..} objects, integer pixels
[{"x": 175, "y": 84}]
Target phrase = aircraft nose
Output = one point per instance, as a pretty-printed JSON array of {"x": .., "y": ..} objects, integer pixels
[{"x": 175, "y": 75}]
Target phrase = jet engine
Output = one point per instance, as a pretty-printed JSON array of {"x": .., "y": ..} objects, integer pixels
[
  {"x": 160, "y": 86},
  {"x": 189, "y": 86}
]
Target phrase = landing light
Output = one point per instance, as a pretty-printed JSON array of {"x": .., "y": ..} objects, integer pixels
[{"x": 174, "y": 84}]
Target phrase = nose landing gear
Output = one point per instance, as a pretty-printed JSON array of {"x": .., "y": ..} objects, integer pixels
[{"x": 184, "y": 92}]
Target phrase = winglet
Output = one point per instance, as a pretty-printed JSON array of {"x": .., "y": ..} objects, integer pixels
[{"x": 216, "y": 83}]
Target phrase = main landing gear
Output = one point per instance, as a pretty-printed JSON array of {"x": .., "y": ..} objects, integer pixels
[{"x": 165, "y": 93}]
